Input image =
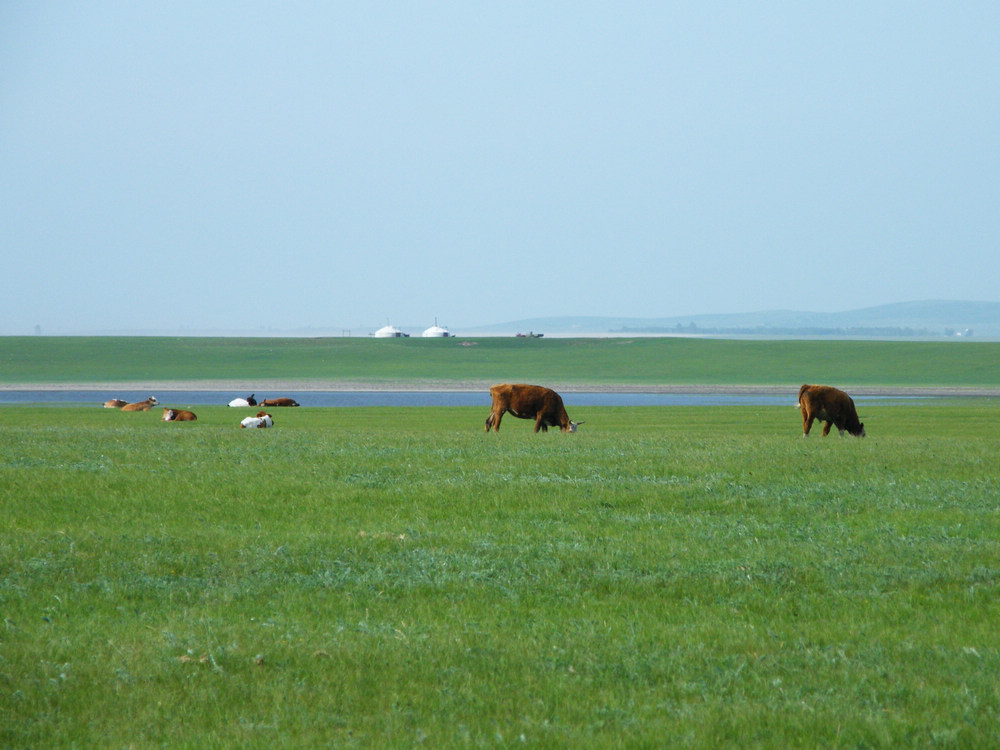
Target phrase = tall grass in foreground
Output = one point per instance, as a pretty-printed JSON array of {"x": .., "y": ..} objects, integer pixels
[{"x": 696, "y": 577}]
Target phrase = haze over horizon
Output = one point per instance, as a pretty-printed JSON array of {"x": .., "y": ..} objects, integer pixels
[{"x": 244, "y": 166}]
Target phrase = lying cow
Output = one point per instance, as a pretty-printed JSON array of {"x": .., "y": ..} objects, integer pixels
[
  {"x": 115, "y": 403},
  {"x": 146, "y": 405},
  {"x": 178, "y": 415},
  {"x": 248, "y": 401},
  {"x": 279, "y": 402},
  {"x": 263, "y": 419},
  {"x": 828, "y": 405},
  {"x": 536, "y": 402}
]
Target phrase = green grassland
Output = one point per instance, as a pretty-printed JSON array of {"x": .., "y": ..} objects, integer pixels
[
  {"x": 610, "y": 361},
  {"x": 688, "y": 577}
]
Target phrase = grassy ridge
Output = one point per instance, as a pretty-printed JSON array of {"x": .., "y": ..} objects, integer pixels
[
  {"x": 567, "y": 361},
  {"x": 697, "y": 577}
]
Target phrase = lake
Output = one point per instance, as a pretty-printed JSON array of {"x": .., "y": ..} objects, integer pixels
[{"x": 188, "y": 398}]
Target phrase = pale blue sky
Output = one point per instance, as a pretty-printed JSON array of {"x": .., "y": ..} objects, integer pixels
[{"x": 248, "y": 165}]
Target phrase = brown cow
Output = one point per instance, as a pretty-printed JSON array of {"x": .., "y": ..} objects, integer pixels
[
  {"x": 536, "y": 402},
  {"x": 146, "y": 405},
  {"x": 178, "y": 415},
  {"x": 828, "y": 405},
  {"x": 115, "y": 403},
  {"x": 279, "y": 402}
]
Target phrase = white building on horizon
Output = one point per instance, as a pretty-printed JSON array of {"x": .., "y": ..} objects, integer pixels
[
  {"x": 389, "y": 332},
  {"x": 436, "y": 331}
]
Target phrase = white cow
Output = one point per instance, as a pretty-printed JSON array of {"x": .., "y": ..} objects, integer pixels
[
  {"x": 249, "y": 401},
  {"x": 263, "y": 419}
]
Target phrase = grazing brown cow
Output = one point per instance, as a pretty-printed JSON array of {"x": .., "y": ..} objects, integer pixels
[
  {"x": 279, "y": 402},
  {"x": 536, "y": 402},
  {"x": 828, "y": 405},
  {"x": 178, "y": 415},
  {"x": 115, "y": 403},
  {"x": 146, "y": 405}
]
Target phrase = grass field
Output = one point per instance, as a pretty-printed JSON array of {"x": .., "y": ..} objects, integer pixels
[
  {"x": 553, "y": 362},
  {"x": 691, "y": 577}
]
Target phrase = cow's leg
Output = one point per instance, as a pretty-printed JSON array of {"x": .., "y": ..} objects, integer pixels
[
  {"x": 807, "y": 423},
  {"x": 493, "y": 420},
  {"x": 540, "y": 424},
  {"x": 826, "y": 428}
]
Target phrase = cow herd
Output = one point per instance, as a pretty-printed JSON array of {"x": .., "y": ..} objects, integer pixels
[
  {"x": 262, "y": 419},
  {"x": 821, "y": 403}
]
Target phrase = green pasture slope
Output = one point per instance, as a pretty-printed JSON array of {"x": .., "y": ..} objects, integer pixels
[
  {"x": 666, "y": 577},
  {"x": 638, "y": 361}
]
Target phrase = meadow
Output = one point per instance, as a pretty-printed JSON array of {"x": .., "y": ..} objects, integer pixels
[
  {"x": 552, "y": 362},
  {"x": 688, "y": 577}
]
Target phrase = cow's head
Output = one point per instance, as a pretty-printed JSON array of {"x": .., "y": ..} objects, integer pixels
[{"x": 572, "y": 426}]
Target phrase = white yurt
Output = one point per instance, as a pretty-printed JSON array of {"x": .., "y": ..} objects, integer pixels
[
  {"x": 389, "y": 332},
  {"x": 436, "y": 332}
]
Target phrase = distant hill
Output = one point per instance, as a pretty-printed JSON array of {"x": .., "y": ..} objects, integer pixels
[
  {"x": 931, "y": 319},
  {"x": 927, "y": 319}
]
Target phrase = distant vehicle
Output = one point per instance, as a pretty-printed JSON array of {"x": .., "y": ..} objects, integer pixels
[{"x": 530, "y": 335}]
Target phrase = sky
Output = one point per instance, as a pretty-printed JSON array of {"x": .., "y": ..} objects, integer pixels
[{"x": 270, "y": 166}]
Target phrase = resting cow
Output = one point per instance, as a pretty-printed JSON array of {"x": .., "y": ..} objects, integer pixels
[
  {"x": 115, "y": 403},
  {"x": 146, "y": 405},
  {"x": 828, "y": 405},
  {"x": 536, "y": 402},
  {"x": 279, "y": 402},
  {"x": 263, "y": 419},
  {"x": 248, "y": 401},
  {"x": 178, "y": 415}
]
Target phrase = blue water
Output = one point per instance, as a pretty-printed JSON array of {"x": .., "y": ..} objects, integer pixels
[{"x": 408, "y": 398}]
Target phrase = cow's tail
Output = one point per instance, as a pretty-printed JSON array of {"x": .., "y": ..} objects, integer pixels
[{"x": 798, "y": 404}]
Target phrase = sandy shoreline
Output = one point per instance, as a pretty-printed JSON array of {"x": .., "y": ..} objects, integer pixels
[{"x": 285, "y": 386}]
